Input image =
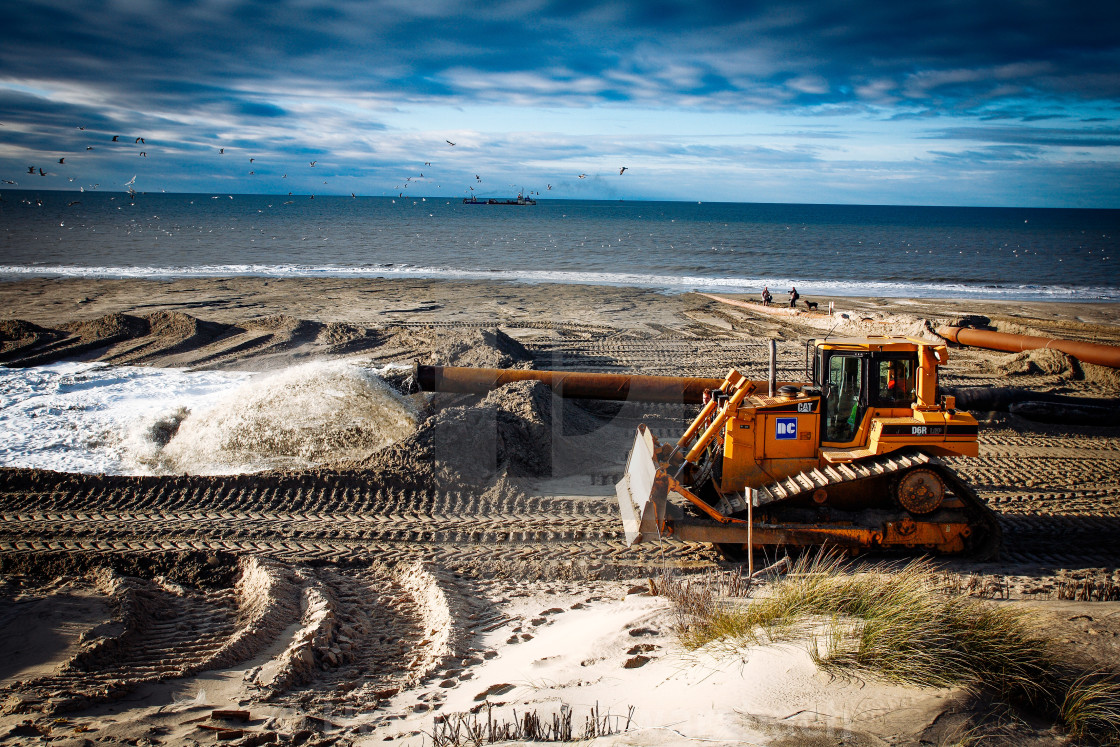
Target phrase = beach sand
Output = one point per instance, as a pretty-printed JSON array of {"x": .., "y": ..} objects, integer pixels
[{"x": 358, "y": 601}]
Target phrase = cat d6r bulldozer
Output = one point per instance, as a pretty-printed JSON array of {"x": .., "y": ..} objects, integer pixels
[{"x": 850, "y": 460}]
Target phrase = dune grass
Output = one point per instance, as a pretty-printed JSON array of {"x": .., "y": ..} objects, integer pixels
[
  {"x": 896, "y": 622},
  {"x": 1091, "y": 708}
]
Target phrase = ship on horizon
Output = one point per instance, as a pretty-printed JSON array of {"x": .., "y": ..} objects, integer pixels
[{"x": 519, "y": 200}]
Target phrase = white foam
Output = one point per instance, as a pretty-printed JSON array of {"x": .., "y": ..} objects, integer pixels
[
  {"x": 667, "y": 283},
  {"x": 95, "y": 418}
]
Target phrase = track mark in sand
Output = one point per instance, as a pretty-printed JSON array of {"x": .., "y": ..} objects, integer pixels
[
  {"x": 511, "y": 559},
  {"x": 161, "y": 630},
  {"x": 362, "y": 633},
  {"x": 368, "y": 632}
]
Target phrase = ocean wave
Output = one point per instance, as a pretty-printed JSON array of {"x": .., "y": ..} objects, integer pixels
[{"x": 664, "y": 283}]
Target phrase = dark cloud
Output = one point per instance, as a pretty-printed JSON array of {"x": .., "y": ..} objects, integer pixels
[
  {"x": 259, "y": 109},
  {"x": 1096, "y": 137},
  {"x": 941, "y": 52}
]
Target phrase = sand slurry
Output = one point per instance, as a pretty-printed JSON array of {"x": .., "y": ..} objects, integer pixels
[{"x": 475, "y": 562}]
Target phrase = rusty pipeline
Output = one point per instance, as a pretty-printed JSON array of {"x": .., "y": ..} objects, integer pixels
[
  {"x": 1089, "y": 352},
  {"x": 567, "y": 384},
  {"x": 573, "y": 384}
]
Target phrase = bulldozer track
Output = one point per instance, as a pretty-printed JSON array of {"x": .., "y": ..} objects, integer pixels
[
  {"x": 984, "y": 546},
  {"x": 823, "y": 477}
]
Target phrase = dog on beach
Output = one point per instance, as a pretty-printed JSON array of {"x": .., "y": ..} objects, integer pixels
[{"x": 811, "y": 305}]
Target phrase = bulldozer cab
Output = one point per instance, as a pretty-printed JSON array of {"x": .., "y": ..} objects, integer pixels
[{"x": 854, "y": 378}]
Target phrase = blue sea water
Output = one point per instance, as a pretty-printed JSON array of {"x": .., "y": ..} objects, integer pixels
[{"x": 888, "y": 251}]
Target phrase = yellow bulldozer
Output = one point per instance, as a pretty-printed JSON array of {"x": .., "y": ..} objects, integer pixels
[{"x": 849, "y": 460}]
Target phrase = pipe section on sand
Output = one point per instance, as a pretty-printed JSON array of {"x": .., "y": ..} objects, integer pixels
[
  {"x": 1089, "y": 352},
  {"x": 568, "y": 384},
  {"x": 573, "y": 384}
]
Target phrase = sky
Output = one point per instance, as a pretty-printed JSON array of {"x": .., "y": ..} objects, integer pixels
[{"x": 943, "y": 102}]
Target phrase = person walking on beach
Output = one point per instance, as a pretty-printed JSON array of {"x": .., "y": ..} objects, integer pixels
[
  {"x": 766, "y": 297},
  {"x": 793, "y": 296}
]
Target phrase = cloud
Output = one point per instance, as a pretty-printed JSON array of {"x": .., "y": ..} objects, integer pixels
[
  {"x": 1096, "y": 137},
  {"x": 289, "y": 79},
  {"x": 853, "y": 51}
]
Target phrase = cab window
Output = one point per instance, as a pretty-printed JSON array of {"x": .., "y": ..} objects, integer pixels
[
  {"x": 893, "y": 381},
  {"x": 843, "y": 407}
]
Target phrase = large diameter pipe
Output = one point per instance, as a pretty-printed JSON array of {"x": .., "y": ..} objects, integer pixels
[
  {"x": 1089, "y": 352},
  {"x": 568, "y": 384},
  {"x": 572, "y": 384}
]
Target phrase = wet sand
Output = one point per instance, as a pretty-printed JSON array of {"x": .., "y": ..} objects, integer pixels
[{"x": 358, "y": 600}]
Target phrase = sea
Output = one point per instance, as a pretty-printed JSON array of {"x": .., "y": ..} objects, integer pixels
[
  {"x": 1033, "y": 254},
  {"x": 90, "y": 417}
]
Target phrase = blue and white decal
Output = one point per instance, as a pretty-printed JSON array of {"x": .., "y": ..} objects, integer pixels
[{"x": 785, "y": 428}]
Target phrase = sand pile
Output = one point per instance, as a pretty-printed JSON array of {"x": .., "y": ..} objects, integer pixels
[
  {"x": 513, "y": 430},
  {"x": 174, "y": 338},
  {"x": 1108, "y": 379},
  {"x": 284, "y": 324},
  {"x": 17, "y": 335},
  {"x": 131, "y": 339},
  {"x": 35, "y": 346},
  {"x": 1042, "y": 361},
  {"x": 111, "y": 327},
  {"x": 174, "y": 332},
  {"x": 477, "y": 348}
]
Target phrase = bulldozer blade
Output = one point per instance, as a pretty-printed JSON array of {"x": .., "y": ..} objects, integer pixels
[{"x": 641, "y": 495}]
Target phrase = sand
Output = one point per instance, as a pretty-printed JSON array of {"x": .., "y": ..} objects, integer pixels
[{"x": 356, "y": 595}]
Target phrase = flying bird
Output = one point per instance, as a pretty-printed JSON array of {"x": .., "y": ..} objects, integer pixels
[
  {"x": 116, "y": 138},
  {"x": 8, "y": 181},
  {"x": 582, "y": 176},
  {"x": 81, "y": 127},
  {"x": 89, "y": 147},
  {"x": 41, "y": 172},
  {"x": 251, "y": 160},
  {"x": 30, "y": 169},
  {"x": 252, "y": 173},
  {"x": 143, "y": 154},
  {"x": 550, "y": 186},
  {"x": 75, "y": 202},
  {"x": 140, "y": 140},
  {"x": 62, "y": 160},
  {"x": 449, "y": 143},
  {"x": 131, "y": 181},
  {"x": 221, "y": 151},
  {"x": 621, "y": 170},
  {"x": 313, "y": 164}
]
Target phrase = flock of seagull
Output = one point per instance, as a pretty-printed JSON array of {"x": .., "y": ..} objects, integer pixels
[{"x": 129, "y": 185}]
